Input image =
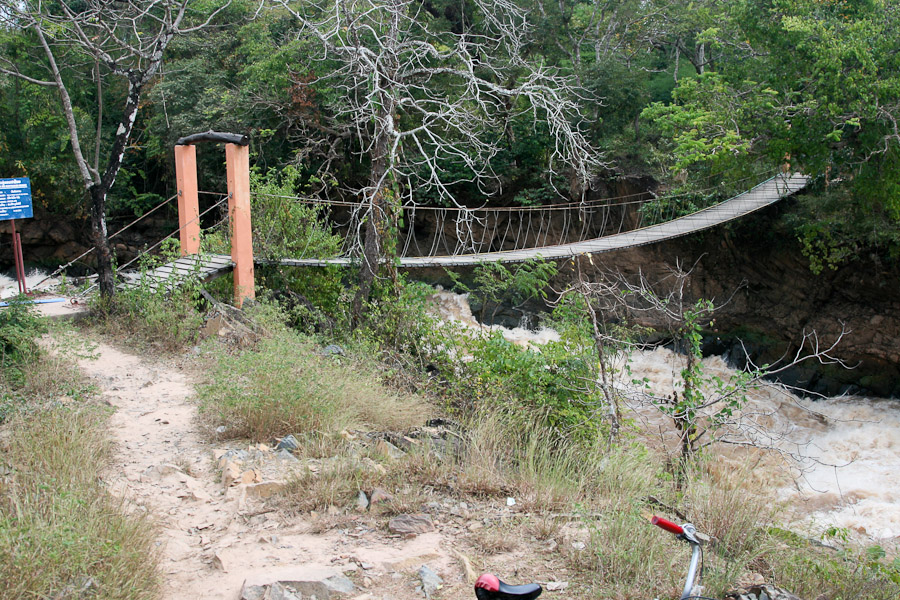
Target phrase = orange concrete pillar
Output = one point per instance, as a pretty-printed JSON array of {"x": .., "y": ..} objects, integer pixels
[
  {"x": 188, "y": 206},
  {"x": 237, "y": 161}
]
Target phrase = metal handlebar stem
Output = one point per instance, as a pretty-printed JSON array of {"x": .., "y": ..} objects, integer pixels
[{"x": 690, "y": 535}]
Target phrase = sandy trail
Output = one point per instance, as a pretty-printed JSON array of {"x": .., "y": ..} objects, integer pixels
[{"x": 211, "y": 538}]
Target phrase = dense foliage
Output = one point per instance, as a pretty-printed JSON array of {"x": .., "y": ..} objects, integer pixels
[{"x": 691, "y": 94}]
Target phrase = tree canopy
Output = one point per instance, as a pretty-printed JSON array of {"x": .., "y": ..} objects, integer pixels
[{"x": 522, "y": 101}]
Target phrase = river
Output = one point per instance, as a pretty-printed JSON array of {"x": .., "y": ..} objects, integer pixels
[{"x": 836, "y": 461}]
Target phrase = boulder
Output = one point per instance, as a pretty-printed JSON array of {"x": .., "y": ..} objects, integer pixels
[
  {"x": 431, "y": 581},
  {"x": 411, "y": 524},
  {"x": 297, "y": 583}
]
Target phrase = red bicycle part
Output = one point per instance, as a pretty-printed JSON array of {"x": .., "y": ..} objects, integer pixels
[{"x": 667, "y": 525}]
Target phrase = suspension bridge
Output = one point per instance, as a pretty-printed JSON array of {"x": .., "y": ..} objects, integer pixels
[
  {"x": 478, "y": 229},
  {"x": 440, "y": 236}
]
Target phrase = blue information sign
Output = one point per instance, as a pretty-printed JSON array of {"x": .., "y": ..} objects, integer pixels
[{"x": 15, "y": 199}]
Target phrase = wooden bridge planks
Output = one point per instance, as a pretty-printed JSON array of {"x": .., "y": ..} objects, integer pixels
[{"x": 205, "y": 266}]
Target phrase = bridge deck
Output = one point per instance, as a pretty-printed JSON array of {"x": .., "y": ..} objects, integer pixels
[
  {"x": 204, "y": 266},
  {"x": 764, "y": 194}
]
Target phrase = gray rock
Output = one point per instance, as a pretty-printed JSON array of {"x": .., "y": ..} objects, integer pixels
[
  {"x": 275, "y": 591},
  {"x": 362, "y": 502},
  {"x": 411, "y": 524},
  {"x": 431, "y": 581},
  {"x": 333, "y": 350},
  {"x": 288, "y": 443},
  {"x": 234, "y": 455},
  {"x": 286, "y": 455},
  {"x": 287, "y": 588}
]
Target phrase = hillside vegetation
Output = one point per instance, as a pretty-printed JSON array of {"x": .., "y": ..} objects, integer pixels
[
  {"x": 439, "y": 103},
  {"x": 529, "y": 423}
]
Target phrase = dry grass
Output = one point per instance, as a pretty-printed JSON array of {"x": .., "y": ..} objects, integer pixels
[
  {"x": 61, "y": 534},
  {"x": 544, "y": 528},
  {"x": 49, "y": 379},
  {"x": 339, "y": 479},
  {"x": 284, "y": 386},
  {"x": 520, "y": 457},
  {"x": 54, "y": 514},
  {"x": 493, "y": 540}
]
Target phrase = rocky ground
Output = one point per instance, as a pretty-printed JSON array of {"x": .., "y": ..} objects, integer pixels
[{"x": 220, "y": 539}]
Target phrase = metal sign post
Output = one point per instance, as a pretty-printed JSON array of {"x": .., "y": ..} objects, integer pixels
[{"x": 15, "y": 203}]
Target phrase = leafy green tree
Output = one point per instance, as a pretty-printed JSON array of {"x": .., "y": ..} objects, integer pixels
[{"x": 123, "y": 44}]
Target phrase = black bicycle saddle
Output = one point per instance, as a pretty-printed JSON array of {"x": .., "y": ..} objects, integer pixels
[{"x": 489, "y": 587}]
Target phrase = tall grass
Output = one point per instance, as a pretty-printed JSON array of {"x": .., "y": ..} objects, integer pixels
[
  {"x": 61, "y": 534},
  {"x": 286, "y": 385}
]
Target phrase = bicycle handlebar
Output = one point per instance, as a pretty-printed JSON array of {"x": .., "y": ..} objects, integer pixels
[{"x": 667, "y": 525}]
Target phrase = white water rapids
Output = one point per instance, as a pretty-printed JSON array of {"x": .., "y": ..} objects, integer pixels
[
  {"x": 849, "y": 447},
  {"x": 9, "y": 287}
]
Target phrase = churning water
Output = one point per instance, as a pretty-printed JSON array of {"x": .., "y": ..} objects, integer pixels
[
  {"x": 9, "y": 287},
  {"x": 844, "y": 466},
  {"x": 844, "y": 463}
]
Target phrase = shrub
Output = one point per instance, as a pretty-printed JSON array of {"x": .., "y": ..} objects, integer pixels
[
  {"x": 20, "y": 326},
  {"x": 284, "y": 226},
  {"x": 162, "y": 315},
  {"x": 285, "y": 385}
]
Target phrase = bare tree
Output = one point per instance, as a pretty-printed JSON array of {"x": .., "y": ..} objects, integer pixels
[
  {"x": 124, "y": 39},
  {"x": 611, "y": 344},
  {"x": 420, "y": 96},
  {"x": 704, "y": 408}
]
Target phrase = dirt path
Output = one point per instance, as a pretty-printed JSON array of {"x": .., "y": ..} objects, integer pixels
[{"x": 212, "y": 538}]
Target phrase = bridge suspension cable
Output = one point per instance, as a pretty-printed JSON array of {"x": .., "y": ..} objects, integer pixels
[{"x": 457, "y": 235}]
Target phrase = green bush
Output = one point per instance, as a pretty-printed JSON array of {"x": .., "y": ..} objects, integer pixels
[
  {"x": 286, "y": 227},
  {"x": 20, "y": 326},
  {"x": 401, "y": 325},
  {"x": 551, "y": 379}
]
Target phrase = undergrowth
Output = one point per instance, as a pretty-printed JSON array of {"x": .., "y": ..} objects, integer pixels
[
  {"x": 162, "y": 316},
  {"x": 61, "y": 534},
  {"x": 528, "y": 427},
  {"x": 528, "y": 430}
]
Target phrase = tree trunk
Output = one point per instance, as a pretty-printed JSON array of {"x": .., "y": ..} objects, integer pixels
[
  {"x": 374, "y": 244},
  {"x": 371, "y": 258},
  {"x": 99, "y": 191},
  {"x": 99, "y": 237}
]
